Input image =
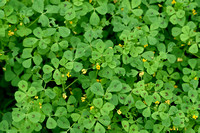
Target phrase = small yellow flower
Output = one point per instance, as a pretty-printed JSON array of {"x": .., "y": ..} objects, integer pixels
[
  {"x": 9, "y": 25},
  {"x": 138, "y": 6},
  {"x": 174, "y": 128},
  {"x": 4, "y": 68},
  {"x": 141, "y": 74},
  {"x": 98, "y": 67},
  {"x": 83, "y": 99},
  {"x": 110, "y": 47},
  {"x": 195, "y": 78},
  {"x": 20, "y": 23},
  {"x": 168, "y": 102},
  {"x": 90, "y": 1},
  {"x": 15, "y": 29},
  {"x": 84, "y": 71},
  {"x": 122, "y": 9},
  {"x": 63, "y": 75},
  {"x": 36, "y": 97},
  {"x": 114, "y": 1},
  {"x": 144, "y": 60},
  {"x": 119, "y": 112},
  {"x": 64, "y": 95},
  {"x": 195, "y": 117},
  {"x": 68, "y": 75},
  {"x": 140, "y": 17},
  {"x": 1, "y": 54},
  {"x": 71, "y": 92},
  {"x": 10, "y": 33},
  {"x": 189, "y": 43},
  {"x": 91, "y": 107},
  {"x": 154, "y": 52},
  {"x": 175, "y": 86},
  {"x": 159, "y": 5},
  {"x": 154, "y": 74},
  {"x": 171, "y": 129},
  {"x": 109, "y": 127},
  {"x": 182, "y": 45},
  {"x": 138, "y": 28},
  {"x": 120, "y": 45},
  {"x": 97, "y": 80},
  {"x": 145, "y": 45},
  {"x": 179, "y": 59},
  {"x": 157, "y": 102},
  {"x": 70, "y": 22},
  {"x": 144, "y": 102},
  {"x": 75, "y": 32},
  {"x": 71, "y": 48},
  {"x": 173, "y": 1},
  {"x": 194, "y": 12},
  {"x": 40, "y": 104},
  {"x": 174, "y": 38}
]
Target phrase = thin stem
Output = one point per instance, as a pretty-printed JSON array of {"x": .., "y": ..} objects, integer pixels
[
  {"x": 34, "y": 21},
  {"x": 71, "y": 84}
]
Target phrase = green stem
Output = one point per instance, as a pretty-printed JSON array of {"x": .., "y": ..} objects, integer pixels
[
  {"x": 34, "y": 21},
  {"x": 71, "y": 84}
]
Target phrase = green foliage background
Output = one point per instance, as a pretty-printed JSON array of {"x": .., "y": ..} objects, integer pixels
[{"x": 100, "y": 66}]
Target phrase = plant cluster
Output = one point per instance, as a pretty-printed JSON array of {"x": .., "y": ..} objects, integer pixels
[{"x": 116, "y": 66}]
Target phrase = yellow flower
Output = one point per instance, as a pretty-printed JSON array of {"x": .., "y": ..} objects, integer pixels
[
  {"x": 71, "y": 92},
  {"x": 10, "y": 33},
  {"x": 84, "y": 71},
  {"x": 168, "y": 102},
  {"x": 68, "y": 75},
  {"x": 195, "y": 78},
  {"x": 157, "y": 102},
  {"x": 98, "y": 67},
  {"x": 70, "y": 22},
  {"x": 9, "y": 25},
  {"x": 189, "y": 43},
  {"x": 179, "y": 59},
  {"x": 175, "y": 86},
  {"x": 182, "y": 45},
  {"x": 109, "y": 127},
  {"x": 141, "y": 74},
  {"x": 154, "y": 74},
  {"x": 122, "y": 9},
  {"x": 90, "y": 1},
  {"x": 114, "y": 1},
  {"x": 20, "y": 23},
  {"x": 64, "y": 95},
  {"x": 174, "y": 38},
  {"x": 110, "y": 47},
  {"x": 91, "y": 107},
  {"x": 36, "y": 97},
  {"x": 63, "y": 75},
  {"x": 144, "y": 102},
  {"x": 120, "y": 45},
  {"x": 138, "y": 6},
  {"x": 83, "y": 99},
  {"x": 1, "y": 54},
  {"x": 195, "y": 117},
  {"x": 119, "y": 112},
  {"x": 4, "y": 68},
  {"x": 98, "y": 80},
  {"x": 71, "y": 48},
  {"x": 173, "y": 1},
  {"x": 194, "y": 12},
  {"x": 140, "y": 17},
  {"x": 144, "y": 60},
  {"x": 145, "y": 45},
  {"x": 174, "y": 128},
  {"x": 75, "y": 32},
  {"x": 15, "y": 29},
  {"x": 159, "y": 5},
  {"x": 40, "y": 104}
]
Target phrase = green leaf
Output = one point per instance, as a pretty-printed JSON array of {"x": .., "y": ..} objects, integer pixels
[
  {"x": 138, "y": 12},
  {"x": 192, "y": 63},
  {"x": 157, "y": 128},
  {"x": 44, "y": 20},
  {"x": 68, "y": 55},
  {"x": 34, "y": 117},
  {"x": 167, "y": 94},
  {"x": 78, "y": 66},
  {"x": 17, "y": 116},
  {"x": 2, "y": 32},
  {"x": 139, "y": 104},
  {"x": 88, "y": 123},
  {"x": 55, "y": 62},
  {"x": 97, "y": 89},
  {"x": 176, "y": 31},
  {"x": 64, "y": 31},
  {"x": 13, "y": 19},
  {"x": 80, "y": 52},
  {"x": 135, "y": 3},
  {"x": 170, "y": 10},
  {"x": 184, "y": 37},
  {"x": 148, "y": 99},
  {"x": 175, "y": 76},
  {"x": 47, "y": 69},
  {"x": 32, "y": 91},
  {"x": 133, "y": 129},
  {"x": 100, "y": 46},
  {"x": 108, "y": 106},
  {"x": 37, "y": 59},
  {"x": 51, "y": 123},
  {"x": 99, "y": 128},
  {"x": 27, "y": 63},
  {"x": 146, "y": 112},
  {"x": 29, "y": 42},
  {"x": 70, "y": 14},
  {"x": 38, "y": 32},
  {"x": 98, "y": 102},
  {"x": 38, "y": 5},
  {"x": 171, "y": 58},
  {"x": 55, "y": 47},
  {"x": 23, "y": 85},
  {"x": 94, "y": 19},
  {"x": 47, "y": 108},
  {"x": 60, "y": 111},
  {"x": 63, "y": 123},
  {"x": 105, "y": 120},
  {"x": 102, "y": 9},
  {"x": 125, "y": 125},
  {"x": 193, "y": 49},
  {"x": 19, "y": 96},
  {"x": 115, "y": 86},
  {"x": 75, "y": 116},
  {"x": 69, "y": 65},
  {"x": 96, "y": 55},
  {"x": 193, "y": 94},
  {"x": 4, "y": 125},
  {"x": 180, "y": 13},
  {"x": 51, "y": 94}
]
